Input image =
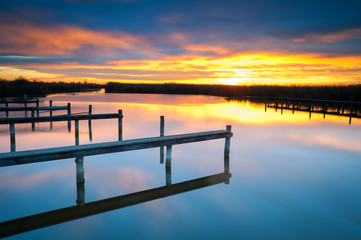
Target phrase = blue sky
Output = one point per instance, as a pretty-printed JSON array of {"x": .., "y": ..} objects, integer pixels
[{"x": 157, "y": 41}]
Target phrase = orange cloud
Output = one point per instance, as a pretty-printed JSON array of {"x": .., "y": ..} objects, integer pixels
[
  {"x": 331, "y": 38},
  {"x": 64, "y": 40}
]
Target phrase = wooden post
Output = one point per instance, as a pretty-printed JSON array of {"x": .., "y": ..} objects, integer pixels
[
  {"x": 7, "y": 112},
  {"x": 161, "y": 149},
  {"x": 80, "y": 181},
  {"x": 324, "y": 110},
  {"x": 69, "y": 113},
  {"x": 26, "y": 104},
  {"x": 12, "y": 137},
  {"x": 51, "y": 113},
  {"x": 120, "y": 125},
  {"x": 32, "y": 124},
  {"x": 282, "y": 106},
  {"x": 90, "y": 124},
  {"x": 265, "y": 105},
  {"x": 343, "y": 109},
  {"x": 293, "y": 108},
  {"x": 349, "y": 121},
  {"x": 227, "y": 146},
  {"x": 76, "y": 132},
  {"x": 168, "y": 168},
  {"x": 37, "y": 107},
  {"x": 228, "y": 141},
  {"x": 276, "y": 105}
]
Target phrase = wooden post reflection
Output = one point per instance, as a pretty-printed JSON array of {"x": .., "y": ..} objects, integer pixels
[
  {"x": 12, "y": 137},
  {"x": 161, "y": 149},
  {"x": 90, "y": 124},
  {"x": 80, "y": 181},
  {"x": 168, "y": 167}
]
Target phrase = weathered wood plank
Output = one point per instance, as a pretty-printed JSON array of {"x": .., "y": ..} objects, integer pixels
[
  {"x": 58, "y": 118},
  {"x": 17, "y": 109},
  {"x": 31, "y": 156},
  {"x": 42, "y": 220},
  {"x": 19, "y": 101}
]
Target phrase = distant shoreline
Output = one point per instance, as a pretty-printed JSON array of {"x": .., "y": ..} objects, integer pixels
[
  {"x": 340, "y": 93},
  {"x": 19, "y": 87}
]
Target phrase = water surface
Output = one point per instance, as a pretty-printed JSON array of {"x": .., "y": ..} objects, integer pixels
[{"x": 292, "y": 177}]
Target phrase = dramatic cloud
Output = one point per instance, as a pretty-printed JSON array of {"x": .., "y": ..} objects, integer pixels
[{"x": 202, "y": 41}]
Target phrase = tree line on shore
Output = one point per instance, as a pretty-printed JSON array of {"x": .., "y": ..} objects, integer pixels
[
  {"x": 21, "y": 86},
  {"x": 341, "y": 92}
]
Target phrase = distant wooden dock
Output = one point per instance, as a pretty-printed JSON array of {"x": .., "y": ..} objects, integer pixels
[{"x": 349, "y": 109}]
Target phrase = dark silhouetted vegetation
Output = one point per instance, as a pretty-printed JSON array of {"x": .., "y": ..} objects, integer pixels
[
  {"x": 20, "y": 86},
  {"x": 342, "y": 92}
]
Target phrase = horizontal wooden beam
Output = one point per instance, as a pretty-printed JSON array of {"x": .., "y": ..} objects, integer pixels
[
  {"x": 17, "y": 109},
  {"x": 20, "y": 101},
  {"x": 42, "y": 220},
  {"x": 57, "y": 118},
  {"x": 49, "y": 154}
]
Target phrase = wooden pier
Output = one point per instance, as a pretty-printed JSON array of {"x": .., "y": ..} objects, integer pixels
[
  {"x": 49, "y": 154},
  {"x": 83, "y": 209}
]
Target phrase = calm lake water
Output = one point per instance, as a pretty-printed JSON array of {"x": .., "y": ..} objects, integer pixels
[{"x": 292, "y": 177}]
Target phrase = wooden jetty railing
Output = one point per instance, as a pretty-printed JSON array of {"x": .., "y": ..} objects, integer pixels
[
  {"x": 45, "y": 219},
  {"x": 37, "y": 108},
  {"x": 68, "y": 118},
  {"x": 31, "y": 156}
]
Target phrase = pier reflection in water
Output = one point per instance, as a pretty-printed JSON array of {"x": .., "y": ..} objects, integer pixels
[{"x": 84, "y": 209}]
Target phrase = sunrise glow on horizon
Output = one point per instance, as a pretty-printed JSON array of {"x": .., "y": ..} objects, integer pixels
[{"x": 127, "y": 42}]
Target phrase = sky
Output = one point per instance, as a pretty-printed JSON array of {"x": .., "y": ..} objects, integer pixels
[{"x": 188, "y": 41}]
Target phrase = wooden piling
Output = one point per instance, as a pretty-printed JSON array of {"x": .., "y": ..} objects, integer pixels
[
  {"x": 32, "y": 124},
  {"x": 7, "y": 111},
  {"x": 120, "y": 125},
  {"x": 90, "y": 123},
  {"x": 228, "y": 141},
  {"x": 12, "y": 137},
  {"x": 76, "y": 132},
  {"x": 51, "y": 113},
  {"x": 69, "y": 113},
  {"x": 37, "y": 107},
  {"x": 161, "y": 149},
  {"x": 168, "y": 167}
]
